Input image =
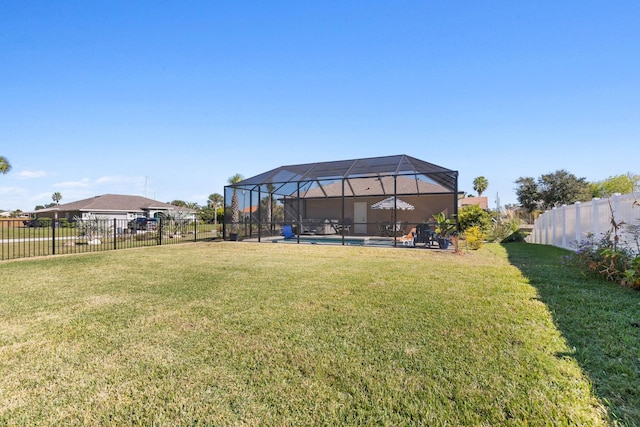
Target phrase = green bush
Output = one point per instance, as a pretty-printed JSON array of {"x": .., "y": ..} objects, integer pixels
[
  {"x": 473, "y": 215},
  {"x": 515, "y": 237},
  {"x": 65, "y": 223},
  {"x": 602, "y": 257},
  {"x": 45, "y": 222},
  {"x": 501, "y": 229}
]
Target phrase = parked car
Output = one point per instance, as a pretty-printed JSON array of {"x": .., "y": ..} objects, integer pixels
[
  {"x": 143, "y": 224},
  {"x": 31, "y": 223}
]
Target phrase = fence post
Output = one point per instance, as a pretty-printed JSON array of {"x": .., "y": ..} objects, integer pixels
[
  {"x": 115, "y": 234},
  {"x": 564, "y": 226},
  {"x": 553, "y": 226},
  {"x": 195, "y": 230},
  {"x": 53, "y": 237},
  {"x": 596, "y": 208},
  {"x": 578, "y": 219},
  {"x": 540, "y": 229}
]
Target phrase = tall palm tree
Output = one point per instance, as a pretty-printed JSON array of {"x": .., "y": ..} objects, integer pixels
[
  {"x": 56, "y": 197},
  {"x": 214, "y": 201},
  {"x": 480, "y": 184},
  {"x": 235, "y": 210},
  {"x": 5, "y": 166},
  {"x": 270, "y": 188}
]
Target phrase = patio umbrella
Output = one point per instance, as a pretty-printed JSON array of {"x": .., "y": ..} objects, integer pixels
[{"x": 388, "y": 203}]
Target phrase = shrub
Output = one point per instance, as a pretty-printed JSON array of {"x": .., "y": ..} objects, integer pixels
[
  {"x": 602, "y": 257},
  {"x": 473, "y": 215},
  {"x": 474, "y": 237},
  {"x": 45, "y": 222},
  {"x": 500, "y": 230},
  {"x": 445, "y": 226},
  {"x": 515, "y": 237},
  {"x": 93, "y": 226},
  {"x": 65, "y": 223},
  {"x": 632, "y": 274}
]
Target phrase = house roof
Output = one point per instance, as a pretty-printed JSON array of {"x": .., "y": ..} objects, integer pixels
[
  {"x": 250, "y": 209},
  {"x": 480, "y": 201},
  {"x": 113, "y": 202},
  {"x": 373, "y": 167}
]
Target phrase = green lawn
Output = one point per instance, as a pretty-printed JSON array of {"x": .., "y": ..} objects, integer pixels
[{"x": 267, "y": 334}]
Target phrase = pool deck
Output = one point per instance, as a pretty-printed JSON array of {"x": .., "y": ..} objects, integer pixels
[{"x": 350, "y": 240}]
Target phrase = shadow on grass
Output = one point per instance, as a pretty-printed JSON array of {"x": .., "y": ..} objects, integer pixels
[{"x": 600, "y": 321}]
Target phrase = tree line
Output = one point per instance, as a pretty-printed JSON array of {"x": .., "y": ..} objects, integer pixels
[
  {"x": 547, "y": 191},
  {"x": 563, "y": 188}
]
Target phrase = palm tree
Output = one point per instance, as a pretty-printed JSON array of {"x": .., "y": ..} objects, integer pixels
[
  {"x": 270, "y": 188},
  {"x": 177, "y": 221},
  {"x": 56, "y": 197},
  {"x": 235, "y": 211},
  {"x": 214, "y": 201},
  {"x": 480, "y": 184},
  {"x": 5, "y": 166}
]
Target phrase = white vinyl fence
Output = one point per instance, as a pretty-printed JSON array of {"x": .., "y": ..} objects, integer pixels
[{"x": 566, "y": 225}]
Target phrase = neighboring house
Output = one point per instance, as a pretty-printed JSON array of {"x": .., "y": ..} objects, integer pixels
[
  {"x": 479, "y": 201},
  {"x": 112, "y": 206},
  {"x": 248, "y": 211}
]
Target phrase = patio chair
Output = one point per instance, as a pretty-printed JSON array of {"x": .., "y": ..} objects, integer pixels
[
  {"x": 425, "y": 235},
  {"x": 346, "y": 226},
  {"x": 399, "y": 228},
  {"x": 409, "y": 238},
  {"x": 383, "y": 228},
  {"x": 287, "y": 232}
]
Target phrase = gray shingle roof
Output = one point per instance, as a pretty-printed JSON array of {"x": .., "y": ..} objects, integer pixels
[{"x": 113, "y": 202}]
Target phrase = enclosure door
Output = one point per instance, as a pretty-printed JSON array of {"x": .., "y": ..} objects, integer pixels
[{"x": 360, "y": 218}]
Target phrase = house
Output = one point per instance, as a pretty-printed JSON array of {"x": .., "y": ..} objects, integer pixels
[
  {"x": 111, "y": 206},
  {"x": 481, "y": 201},
  {"x": 248, "y": 212},
  {"x": 343, "y": 192}
]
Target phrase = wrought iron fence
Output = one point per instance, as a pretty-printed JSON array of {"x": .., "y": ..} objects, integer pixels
[{"x": 33, "y": 238}]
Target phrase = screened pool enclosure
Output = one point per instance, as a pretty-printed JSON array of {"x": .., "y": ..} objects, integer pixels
[{"x": 380, "y": 197}]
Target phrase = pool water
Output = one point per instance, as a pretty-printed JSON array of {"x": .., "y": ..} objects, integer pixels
[{"x": 350, "y": 241}]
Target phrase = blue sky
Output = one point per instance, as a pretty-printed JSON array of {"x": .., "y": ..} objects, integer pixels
[{"x": 170, "y": 99}]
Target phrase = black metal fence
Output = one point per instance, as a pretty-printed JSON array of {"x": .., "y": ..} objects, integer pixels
[{"x": 32, "y": 238}]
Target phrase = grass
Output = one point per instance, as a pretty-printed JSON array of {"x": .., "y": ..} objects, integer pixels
[
  {"x": 262, "y": 334},
  {"x": 600, "y": 321}
]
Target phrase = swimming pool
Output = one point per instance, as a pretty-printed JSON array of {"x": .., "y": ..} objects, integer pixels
[{"x": 337, "y": 240}]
